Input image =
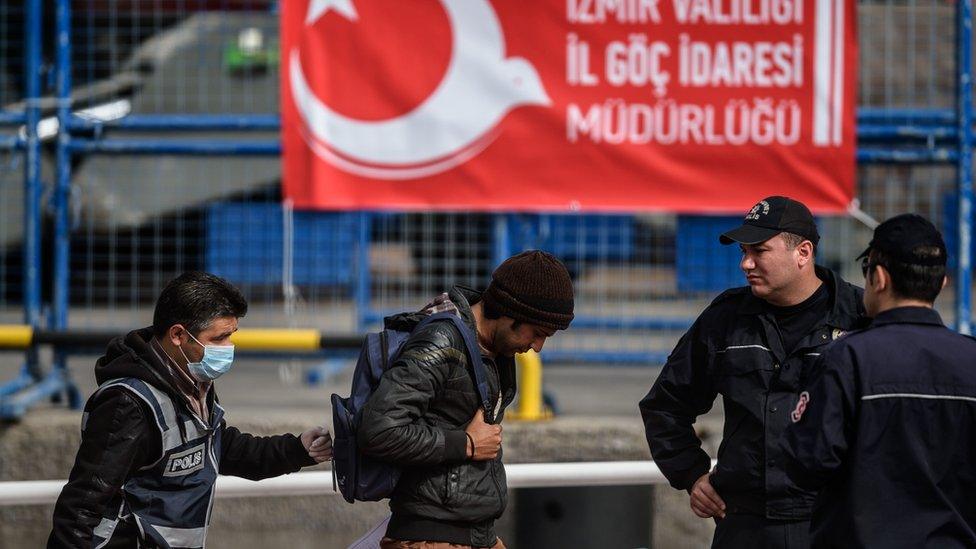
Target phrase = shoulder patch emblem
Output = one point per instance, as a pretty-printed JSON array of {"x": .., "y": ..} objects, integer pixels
[{"x": 801, "y": 406}]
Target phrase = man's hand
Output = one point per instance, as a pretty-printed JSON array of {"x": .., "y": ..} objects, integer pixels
[
  {"x": 487, "y": 438},
  {"x": 705, "y": 501},
  {"x": 318, "y": 442}
]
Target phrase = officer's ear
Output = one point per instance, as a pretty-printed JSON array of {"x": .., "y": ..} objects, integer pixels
[
  {"x": 175, "y": 334},
  {"x": 882, "y": 278},
  {"x": 945, "y": 282},
  {"x": 804, "y": 252}
]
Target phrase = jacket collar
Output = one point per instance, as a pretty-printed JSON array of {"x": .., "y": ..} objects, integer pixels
[
  {"x": 908, "y": 315},
  {"x": 463, "y": 298},
  {"x": 845, "y": 301},
  {"x": 132, "y": 355}
]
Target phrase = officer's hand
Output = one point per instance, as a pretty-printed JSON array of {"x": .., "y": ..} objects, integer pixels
[
  {"x": 487, "y": 438},
  {"x": 318, "y": 443},
  {"x": 705, "y": 501}
]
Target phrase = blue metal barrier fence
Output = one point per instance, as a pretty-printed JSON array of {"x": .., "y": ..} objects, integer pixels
[
  {"x": 31, "y": 384},
  {"x": 108, "y": 263}
]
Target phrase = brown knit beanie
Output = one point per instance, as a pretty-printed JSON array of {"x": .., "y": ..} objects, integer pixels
[{"x": 533, "y": 287}]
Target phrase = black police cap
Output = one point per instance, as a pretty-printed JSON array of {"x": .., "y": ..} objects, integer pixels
[
  {"x": 903, "y": 235},
  {"x": 771, "y": 216}
]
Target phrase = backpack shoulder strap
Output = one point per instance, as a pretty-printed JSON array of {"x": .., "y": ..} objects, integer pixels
[{"x": 473, "y": 351}]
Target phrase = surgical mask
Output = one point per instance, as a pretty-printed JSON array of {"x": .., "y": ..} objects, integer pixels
[{"x": 216, "y": 361}]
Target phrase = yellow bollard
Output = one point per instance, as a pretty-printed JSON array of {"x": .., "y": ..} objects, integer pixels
[{"x": 530, "y": 406}]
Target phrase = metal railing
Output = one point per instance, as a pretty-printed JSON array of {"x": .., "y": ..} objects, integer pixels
[{"x": 520, "y": 475}]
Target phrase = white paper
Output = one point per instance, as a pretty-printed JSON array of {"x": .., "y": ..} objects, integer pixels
[{"x": 371, "y": 540}]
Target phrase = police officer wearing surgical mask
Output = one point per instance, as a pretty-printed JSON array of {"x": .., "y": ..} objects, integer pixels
[
  {"x": 153, "y": 435},
  {"x": 886, "y": 428}
]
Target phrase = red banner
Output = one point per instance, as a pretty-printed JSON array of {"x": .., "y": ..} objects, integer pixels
[{"x": 568, "y": 105}]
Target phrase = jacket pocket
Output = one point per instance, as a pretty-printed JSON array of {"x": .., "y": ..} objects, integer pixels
[
  {"x": 742, "y": 370},
  {"x": 452, "y": 483},
  {"x": 743, "y": 359}
]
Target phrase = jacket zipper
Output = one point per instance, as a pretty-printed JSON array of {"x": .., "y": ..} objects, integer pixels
[
  {"x": 493, "y": 413},
  {"x": 385, "y": 349}
]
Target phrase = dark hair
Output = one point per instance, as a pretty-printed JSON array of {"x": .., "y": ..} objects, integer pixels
[
  {"x": 793, "y": 240},
  {"x": 194, "y": 299},
  {"x": 911, "y": 281},
  {"x": 492, "y": 312}
]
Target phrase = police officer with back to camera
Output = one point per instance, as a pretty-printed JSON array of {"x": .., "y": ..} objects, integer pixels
[
  {"x": 753, "y": 345},
  {"x": 153, "y": 435},
  {"x": 887, "y": 427}
]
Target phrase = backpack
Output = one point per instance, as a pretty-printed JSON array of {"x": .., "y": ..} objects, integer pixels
[{"x": 365, "y": 478}]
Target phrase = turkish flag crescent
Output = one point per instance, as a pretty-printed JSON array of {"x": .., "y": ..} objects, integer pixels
[{"x": 692, "y": 106}]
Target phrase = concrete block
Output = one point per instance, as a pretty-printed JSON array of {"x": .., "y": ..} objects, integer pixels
[{"x": 43, "y": 446}]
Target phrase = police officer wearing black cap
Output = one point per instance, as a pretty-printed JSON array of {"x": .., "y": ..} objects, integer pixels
[
  {"x": 753, "y": 345},
  {"x": 887, "y": 427}
]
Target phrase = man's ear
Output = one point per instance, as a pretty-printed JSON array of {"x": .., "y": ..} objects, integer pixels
[
  {"x": 804, "y": 252},
  {"x": 174, "y": 333},
  {"x": 882, "y": 280}
]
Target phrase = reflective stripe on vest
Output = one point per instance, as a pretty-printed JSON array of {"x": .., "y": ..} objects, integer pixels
[
  {"x": 103, "y": 532},
  {"x": 171, "y": 499}
]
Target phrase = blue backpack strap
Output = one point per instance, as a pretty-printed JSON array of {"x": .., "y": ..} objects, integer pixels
[{"x": 474, "y": 354}]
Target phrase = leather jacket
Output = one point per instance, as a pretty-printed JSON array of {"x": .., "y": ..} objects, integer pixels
[{"x": 416, "y": 419}]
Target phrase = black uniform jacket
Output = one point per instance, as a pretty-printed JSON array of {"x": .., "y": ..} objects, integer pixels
[
  {"x": 734, "y": 349},
  {"x": 121, "y": 436},
  {"x": 889, "y": 431},
  {"x": 416, "y": 418}
]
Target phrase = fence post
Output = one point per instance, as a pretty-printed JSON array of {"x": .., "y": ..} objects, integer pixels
[
  {"x": 502, "y": 244},
  {"x": 32, "y": 167},
  {"x": 33, "y": 36},
  {"x": 61, "y": 196},
  {"x": 964, "y": 104},
  {"x": 62, "y": 187},
  {"x": 363, "y": 282}
]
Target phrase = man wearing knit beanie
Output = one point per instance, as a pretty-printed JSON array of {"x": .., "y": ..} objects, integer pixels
[
  {"x": 428, "y": 417},
  {"x": 534, "y": 288}
]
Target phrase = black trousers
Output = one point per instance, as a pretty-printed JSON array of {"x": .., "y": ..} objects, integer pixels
[{"x": 743, "y": 531}]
